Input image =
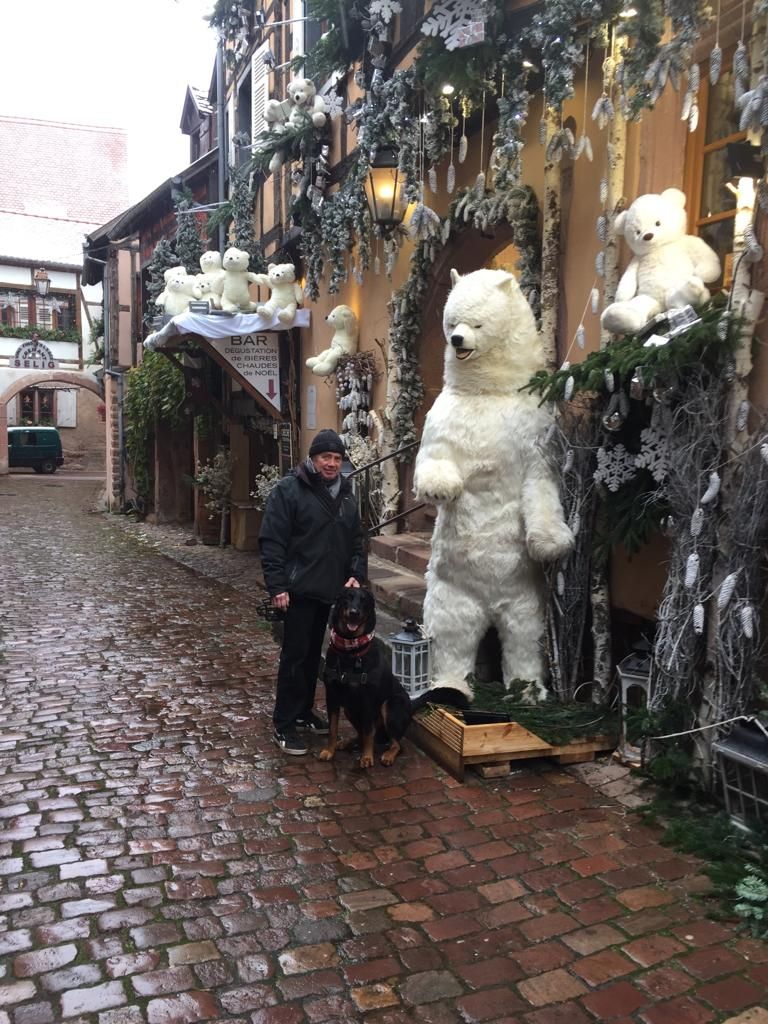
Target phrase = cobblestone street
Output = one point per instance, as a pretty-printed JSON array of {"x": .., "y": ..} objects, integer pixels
[{"x": 161, "y": 862}]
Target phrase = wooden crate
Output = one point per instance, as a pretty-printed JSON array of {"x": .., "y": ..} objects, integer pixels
[{"x": 454, "y": 744}]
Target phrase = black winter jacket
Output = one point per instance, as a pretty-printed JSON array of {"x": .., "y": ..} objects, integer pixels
[{"x": 310, "y": 542}]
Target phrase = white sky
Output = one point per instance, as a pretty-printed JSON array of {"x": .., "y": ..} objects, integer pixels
[{"x": 119, "y": 63}]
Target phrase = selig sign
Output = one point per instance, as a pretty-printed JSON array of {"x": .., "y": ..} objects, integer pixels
[{"x": 34, "y": 355}]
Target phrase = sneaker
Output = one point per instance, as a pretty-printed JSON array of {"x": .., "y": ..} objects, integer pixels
[
  {"x": 290, "y": 743},
  {"x": 313, "y": 723}
]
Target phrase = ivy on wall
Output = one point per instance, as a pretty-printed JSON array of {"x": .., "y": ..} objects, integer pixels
[{"x": 154, "y": 397}]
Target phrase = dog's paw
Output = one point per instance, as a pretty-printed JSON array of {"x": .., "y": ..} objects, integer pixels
[
  {"x": 388, "y": 757},
  {"x": 366, "y": 761},
  {"x": 437, "y": 480},
  {"x": 550, "y": 542},
  {"x": 326, "y": 754}
]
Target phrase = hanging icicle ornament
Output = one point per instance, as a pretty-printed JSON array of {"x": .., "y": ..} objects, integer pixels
[
  {"x": 601, "y": 227},
  {"x": 583, "y": 144},
  {"x": 698, "y": 619},
  {"x": 450, "y": 178},
  {"x": 753, "y": 251},
  {"x": 595, "y": 300},
  {"x": 581, "y": 336},
  {"x": 747, "y": 616},
  {"x": 575, "y": 523},
  {"x": 727, "y": 588},
  {"x": 600, "y": 264},
  {"x": 463, "y": 143},
  {"x": 691, "y": 570},
  {"x": 433, "y": 179},
  {"x": 568, "y": 390},
  {"x": 741, "y": 416},
  {"x": 568, "y": 461},
  {"x": 560, "y": 584},
  {"x": 697, "y": 521},
  {"x": 610, "y": 381},
  {"x": 723, "y": 325},
  {"x": 716, "y": 54},
  {"x": 603, "y": 191},
  {"x": 713, "y": 489}
]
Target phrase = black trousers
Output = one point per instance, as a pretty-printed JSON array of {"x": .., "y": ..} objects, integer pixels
[{"x": 303, "y": 632}]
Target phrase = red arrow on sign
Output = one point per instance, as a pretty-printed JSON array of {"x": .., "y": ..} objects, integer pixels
[{"x": 271, "y": 388}]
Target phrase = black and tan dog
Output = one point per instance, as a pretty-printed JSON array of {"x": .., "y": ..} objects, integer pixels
[{"x": 359, "y": 680}]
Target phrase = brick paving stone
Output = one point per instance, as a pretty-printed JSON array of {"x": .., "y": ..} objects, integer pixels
[
  {"x": 678, "y": 1011},
  {"x": 593, "y": 939},
  {"x": 27, "y": 964},
  {"x": 89, "y": 1000},
  {"x": 732, "y": 993},
  {"x": 615, "y": 1000},
  {"x": 603, "y": 966},
  {"x": 552, "y": 987}
]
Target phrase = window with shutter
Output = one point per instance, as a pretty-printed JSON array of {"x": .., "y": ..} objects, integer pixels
[{"x": 259, "y": 90}]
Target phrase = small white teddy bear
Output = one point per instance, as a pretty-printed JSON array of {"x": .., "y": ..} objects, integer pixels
[
  {"x": 306, "y": 103},
  {"x": 301, "y": 105},
  {"x": 285, "y": 293},
  {"x": 668, "y": 269},
  {"x": 343, "y": 342},
  {"x": 180, "y": 288},
  {"x": 211, "y": 280},
  {"x": 235, "y": 296}
]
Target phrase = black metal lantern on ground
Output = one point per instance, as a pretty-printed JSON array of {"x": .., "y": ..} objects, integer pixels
[
  {"x": 385, "y": 188},
  {"x": 411, "y": 658}
]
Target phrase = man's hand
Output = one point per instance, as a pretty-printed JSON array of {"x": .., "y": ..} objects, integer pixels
[
  {"x": 352, "y": 582},
  {"x": 281, "y": 601}
]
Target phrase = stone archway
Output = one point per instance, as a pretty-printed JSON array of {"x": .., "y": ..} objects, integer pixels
[{"x": 34, "y": 377}]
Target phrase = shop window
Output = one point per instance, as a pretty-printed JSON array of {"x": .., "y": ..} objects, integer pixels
[
  {"x": 64, "y": 316},
  {"x": 709, "y": 168},
  {"x": 8, "y": 316}
]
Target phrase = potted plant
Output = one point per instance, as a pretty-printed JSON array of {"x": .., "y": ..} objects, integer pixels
[{"x": 214, "y": 478}]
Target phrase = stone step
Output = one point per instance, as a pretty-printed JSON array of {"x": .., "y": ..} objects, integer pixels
[
  {"x": 397, "y": 590},
  {"x": 409, "y": 551}
]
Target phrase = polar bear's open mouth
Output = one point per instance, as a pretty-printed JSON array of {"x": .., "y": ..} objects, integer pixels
[{"x": 463, "y": 353}]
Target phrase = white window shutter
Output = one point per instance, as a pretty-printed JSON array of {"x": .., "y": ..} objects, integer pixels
[
  {"x": 12, "y": 410},
  {"x": 259, "y": 91},
  {"x": 66, "y": 407}
]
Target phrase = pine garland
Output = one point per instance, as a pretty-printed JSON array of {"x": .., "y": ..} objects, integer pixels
[
  {"x": 241, "y": 203},
  {"x": 189, "y": 245},
  {"x": 163, "y": 258}
]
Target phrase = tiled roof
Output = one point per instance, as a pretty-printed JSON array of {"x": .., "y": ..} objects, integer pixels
[{"x": 57, "y": 182}]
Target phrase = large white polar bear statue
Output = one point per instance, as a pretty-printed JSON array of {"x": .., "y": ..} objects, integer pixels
[{"x": 482, "y": 463}]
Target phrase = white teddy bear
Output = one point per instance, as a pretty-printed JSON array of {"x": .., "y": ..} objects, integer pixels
[
  {"x": 285, "y": 293},
  {"x": 235, "y": 296},
  {"x": 343, "y": 342},
  {"x": 211, "y": 280},
  {"x": 498, "y": 504},
  {"x": 668, "y": 268},
  {"x": 180, "y": 288},
  {"x": 301, "y": 105},
  {"x": 306, "y": 103}
]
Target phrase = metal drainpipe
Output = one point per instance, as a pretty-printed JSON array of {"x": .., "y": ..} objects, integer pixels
[
  {"x": 119, "y": 377},
  {"x": 221, "y": 133}
]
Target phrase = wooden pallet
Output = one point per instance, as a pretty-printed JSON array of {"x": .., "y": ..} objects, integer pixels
[{"x": 454, "y": 744}]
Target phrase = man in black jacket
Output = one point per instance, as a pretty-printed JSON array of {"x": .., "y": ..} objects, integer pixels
[{"x": 312, "y": 546}]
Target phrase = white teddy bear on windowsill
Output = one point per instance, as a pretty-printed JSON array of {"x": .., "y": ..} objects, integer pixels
[{"x": 668, "y": 269}]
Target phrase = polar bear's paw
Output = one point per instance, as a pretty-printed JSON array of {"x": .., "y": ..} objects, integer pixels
[
  {"x": 547, "y": 542},
  {"x": 437, "y": 480}
]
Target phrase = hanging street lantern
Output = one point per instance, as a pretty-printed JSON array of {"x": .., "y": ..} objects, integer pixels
[
  {"x": 42, "y": 283},
  {"x": 384, "y": 188},
  {"x": 411, "y": 658}
]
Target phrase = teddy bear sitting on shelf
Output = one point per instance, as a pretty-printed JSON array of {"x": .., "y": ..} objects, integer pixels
[{"x": 285, "y": 293}]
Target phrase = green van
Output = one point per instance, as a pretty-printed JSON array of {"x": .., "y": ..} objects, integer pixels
[{"x": 36, "y": 447}]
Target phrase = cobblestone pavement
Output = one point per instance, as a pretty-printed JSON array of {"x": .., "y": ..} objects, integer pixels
[{"x": 162, "y": 862}]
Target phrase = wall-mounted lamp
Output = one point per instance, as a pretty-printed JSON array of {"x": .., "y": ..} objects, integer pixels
[
  {"x": 42, "y": 283},
  {"x": 385, "y": 190}
]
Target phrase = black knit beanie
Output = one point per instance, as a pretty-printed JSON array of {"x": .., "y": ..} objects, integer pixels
[{"x": 327, "y": 441}]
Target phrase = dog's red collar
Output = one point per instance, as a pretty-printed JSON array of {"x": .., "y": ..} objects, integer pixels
[{"x": 357, "y": 644}]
